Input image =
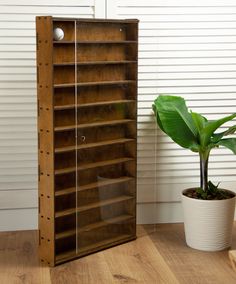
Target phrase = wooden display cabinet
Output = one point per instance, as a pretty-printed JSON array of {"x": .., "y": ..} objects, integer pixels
[{"x": 87, "y": 117}]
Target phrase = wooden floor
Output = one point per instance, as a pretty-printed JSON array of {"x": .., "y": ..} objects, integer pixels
[{"x": 159, "y": 255}]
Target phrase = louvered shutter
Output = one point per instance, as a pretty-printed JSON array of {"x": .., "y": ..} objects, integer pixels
[
  {"x": 186, "y": 48},
  {"x": 18, "y": 103}
]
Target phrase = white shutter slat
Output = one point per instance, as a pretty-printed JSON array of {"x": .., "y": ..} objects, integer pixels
[
  {"x": 43, "y": 10},
  {"x": 180, "y": 17},
  {"x": 46, "y": 3},
  {"x": 171, "y": 3},
  {"x": 185, "y": 75},
  {"x": 187, "y": 39},
  {"x": 177, "y": 10},
  {"x": 145, "y": 47},
  {"x": 191, "y": 25},
  {"x": 31, "y": 17},
  {"x": 186, "y": 68}
]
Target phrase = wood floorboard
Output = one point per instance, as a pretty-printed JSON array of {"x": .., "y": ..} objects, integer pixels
[
  {"x": 159, "y": 255},
  {"x": 191, "y": 266}
]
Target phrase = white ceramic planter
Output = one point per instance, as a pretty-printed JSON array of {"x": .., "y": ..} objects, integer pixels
[{"x": 208, "y": 224}]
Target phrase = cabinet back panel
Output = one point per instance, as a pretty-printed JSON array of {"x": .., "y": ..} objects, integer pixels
[
  {"x": 103, "y": 192},
  {"x": 102, "y": 93},
  {"x": 102, "y": 73},
  {"x": 65, "y": 223},
  {"x": 65, "y": 181},
  {"x": 103, "y": 233},
  {"x": 64, "y": 96},
  {"x": 64, "y": 53},
  {"x": 91, "y": 176},
  {"x": 68, "y": 28},
  {"x": 64, "y": 74},
  {"x": 100, "y": 31},
  {"x": 63, "y": 139},
  {"x": 101, "y": 52},
  {"x": 96, "y": 215}
]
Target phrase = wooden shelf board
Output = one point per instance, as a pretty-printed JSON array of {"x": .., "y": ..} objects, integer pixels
[
  {"x": 93, "y": 124},
  {"x": 93, "y": 145},
  {"x": 88, "y": 166},
  {"x": 86, "y": 84},
  {"x": 87, "y": 228},
  {"x": 65, "y": 191},
  {"x": 94, "y": 247},
  {"x": 93, "y": 185},
  {"x": 103, "y": 103},
  {"x": 94, "y": 42},
  {"x": 86, "y": 207},
  {"x": 94, "y": 63}
]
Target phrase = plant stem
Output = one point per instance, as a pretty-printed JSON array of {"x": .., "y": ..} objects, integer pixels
[{"x": 204, "y": 156}]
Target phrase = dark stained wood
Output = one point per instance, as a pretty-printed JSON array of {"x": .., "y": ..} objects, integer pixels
[
  {"x": 46, "y": 139},
  {"x": 93, "y": 83},
  {"x": 94, "y": 124},
  {"x": 92, "y": 145},
  {"x": 95, "y": 42},
  {"x": 97, "y": 184},
  {"x": 72, "y": 106},
  {"x": 89, "y": 111},
  {"x": 92, "y": 165}
]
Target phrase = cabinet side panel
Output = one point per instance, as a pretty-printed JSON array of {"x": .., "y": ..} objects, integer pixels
[{"x": 46, "y": 139}]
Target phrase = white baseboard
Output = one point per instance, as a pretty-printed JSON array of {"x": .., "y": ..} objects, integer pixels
[{"x": 18, "y": 219}]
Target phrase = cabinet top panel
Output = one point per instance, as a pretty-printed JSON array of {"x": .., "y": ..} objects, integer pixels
[{"x": 91, "y": 20}]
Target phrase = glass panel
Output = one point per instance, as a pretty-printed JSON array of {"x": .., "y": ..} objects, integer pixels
[{"x": 105, "y": 136}]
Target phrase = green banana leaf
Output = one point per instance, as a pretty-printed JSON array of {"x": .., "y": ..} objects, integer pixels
[
  {"x": 174, "y": 119},
  {"x": 229, "y": 143},
  {"x": 199, "y": 120},
  {"x": 210, "y": 127},
  {"x": 217, "y": 136}
]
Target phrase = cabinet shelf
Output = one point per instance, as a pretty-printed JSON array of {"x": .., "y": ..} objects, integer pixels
[
  {"x": 94, "y": 247},
  {"x": 87, "y": 228},
  {"x": 93, "y": 145},
  {"x": 93, "y": 124},
  {"x": 103, "y": 103},
  {"x": 94, "y": 42},
  {"x": 93, "y": 165},
  {"x": 93, "y": 185},
  {"x": 100, "y": 83},
  {"x": 90, "y": 206},
  {"x": 95, "y": 63}
]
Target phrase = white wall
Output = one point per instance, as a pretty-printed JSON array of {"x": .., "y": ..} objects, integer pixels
[{"x": 187, "y": 48}]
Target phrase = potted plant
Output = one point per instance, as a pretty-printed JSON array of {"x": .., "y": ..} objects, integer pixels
[{"x": 208, "y": 210}]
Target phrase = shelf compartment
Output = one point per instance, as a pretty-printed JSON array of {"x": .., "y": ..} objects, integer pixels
[
  {"x": 93, "y": 95},
  {"x": 103, "y": 103},
  {"x": 95, "y": 42},
  {"x": 94, "y": 247},
  {"x": 87, "y": 207},
  {"x": 93, "y": 185},
  {"x": 89, "y": 74},
  {"x": 100, "y": 83},
  {"x": 93, "y": 165},
  {"x": 95, "y": 63},
  {"x": 93, "y": 145},
  {"x": 103, "y": 133},
  {"x": 87, "y": 228},
  {"x": 93, "y": 124}
]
